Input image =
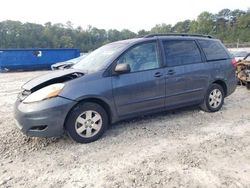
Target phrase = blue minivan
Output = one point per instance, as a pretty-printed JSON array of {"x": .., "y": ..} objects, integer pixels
[{"x": 125, "y": 79}]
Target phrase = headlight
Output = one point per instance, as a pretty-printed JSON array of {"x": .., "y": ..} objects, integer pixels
[{"x": 44, "y": 93}]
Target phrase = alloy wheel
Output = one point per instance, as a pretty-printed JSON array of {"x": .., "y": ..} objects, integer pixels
[
  {"x": 215, "y": 98},
  {"x": 88, "y": 124}
]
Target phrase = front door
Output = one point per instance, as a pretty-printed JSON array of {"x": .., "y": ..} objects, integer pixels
[{"x": 143, "y": 88}]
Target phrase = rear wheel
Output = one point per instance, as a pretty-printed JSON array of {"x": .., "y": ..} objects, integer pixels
[
  {"x": 86, "y": 122},
  {"x": 214, "y": 99}
]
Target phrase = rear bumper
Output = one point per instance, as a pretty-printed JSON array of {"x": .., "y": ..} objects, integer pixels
[
  {"x": 43, "y": 119},
  {"x": 231, "y": 86}
]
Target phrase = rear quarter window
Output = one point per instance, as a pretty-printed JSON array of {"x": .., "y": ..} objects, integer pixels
[{"x": 213, "y": 50}]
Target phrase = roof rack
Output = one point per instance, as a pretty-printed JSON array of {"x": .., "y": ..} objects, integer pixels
[{"x": 177, "y": 34}]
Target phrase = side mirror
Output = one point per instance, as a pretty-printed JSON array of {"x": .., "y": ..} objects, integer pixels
[{"x": 122, "y": 68}]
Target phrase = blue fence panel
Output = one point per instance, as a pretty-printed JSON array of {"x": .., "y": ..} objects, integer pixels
[{"x": 34, "y": 59}]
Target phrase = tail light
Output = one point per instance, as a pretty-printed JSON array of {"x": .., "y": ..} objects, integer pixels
[{"x": 234, "y": 62}]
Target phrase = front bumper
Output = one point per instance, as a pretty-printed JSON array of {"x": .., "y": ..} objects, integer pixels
[{"x": 43, "y": 119}]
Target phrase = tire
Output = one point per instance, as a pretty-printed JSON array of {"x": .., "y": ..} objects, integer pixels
[
  {"x": 214, "y": 99},
  {"x": 86, "y": 122}
]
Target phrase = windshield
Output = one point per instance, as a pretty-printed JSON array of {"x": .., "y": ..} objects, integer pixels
[
  {"x": 99, "y": 58},
  {"x": 76, "y": 60}
]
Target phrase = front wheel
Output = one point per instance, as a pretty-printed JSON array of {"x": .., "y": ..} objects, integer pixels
[
  {"x": 86, "y": 122},
  {"x": 214, "y": 99}
]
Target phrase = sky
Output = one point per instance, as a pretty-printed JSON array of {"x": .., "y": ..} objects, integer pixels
[{"x": 113, "y": 14}]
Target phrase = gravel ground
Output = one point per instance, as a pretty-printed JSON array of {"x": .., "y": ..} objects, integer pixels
[{"x": 182, "y": 148}]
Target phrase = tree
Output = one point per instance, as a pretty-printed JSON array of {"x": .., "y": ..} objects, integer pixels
[
  {"x": 142, "y": 33},
  {"x": 161, "y": 28},
  {"x": 193, "y": 26},
  {"x": 127, "y": 34},
  {"x": 182, "y": 27},
  {"x": 113, "y": 35},
  {"x": 205, "y": 23},
  {"x": 227, "y": 25}
]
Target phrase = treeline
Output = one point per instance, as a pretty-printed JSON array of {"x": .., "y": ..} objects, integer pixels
[{"x": 227, "y": 25}]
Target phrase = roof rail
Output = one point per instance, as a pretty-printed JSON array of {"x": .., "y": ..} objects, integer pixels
[{"x": 176, "y": 34}]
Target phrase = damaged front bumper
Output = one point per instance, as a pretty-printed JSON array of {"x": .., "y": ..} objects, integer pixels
[{"x": 43, "y": 119}]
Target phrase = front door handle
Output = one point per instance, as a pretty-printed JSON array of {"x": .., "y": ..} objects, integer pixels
[
  {"x": 171, "y": 72},
  {"x": 158, "y": 74}
]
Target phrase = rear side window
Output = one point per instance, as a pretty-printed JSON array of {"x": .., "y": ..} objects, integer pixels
[
  {"x": 181, "y": 52},
  {"x": 213, "y": 50}
]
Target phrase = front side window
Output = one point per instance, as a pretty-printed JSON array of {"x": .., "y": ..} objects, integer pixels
[
  {"x": 181, "y": 52},
  {"x": 141, "y": 57}
]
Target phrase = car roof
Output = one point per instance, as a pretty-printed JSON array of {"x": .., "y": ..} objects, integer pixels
[
  {"x": 165, "y": 36},
  {"x": 177, "y": 35}
]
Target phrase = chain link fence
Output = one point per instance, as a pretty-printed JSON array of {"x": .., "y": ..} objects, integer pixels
[{"x": 237, "y": 45}]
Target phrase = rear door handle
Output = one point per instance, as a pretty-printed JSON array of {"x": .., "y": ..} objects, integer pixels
[
  {"x": 171, "y": 72},
  {"x": 158, "y": 74}
]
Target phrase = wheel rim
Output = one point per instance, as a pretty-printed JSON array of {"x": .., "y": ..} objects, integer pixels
[
  {"x": 215, "y": 98},
  {"x": 88, "y": 124}
]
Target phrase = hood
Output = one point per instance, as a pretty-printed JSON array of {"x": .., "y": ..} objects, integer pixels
[{"x": 52, "y": 78}]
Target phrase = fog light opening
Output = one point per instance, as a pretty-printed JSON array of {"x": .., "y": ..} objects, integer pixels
[{"x": 38, "y": 128}]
